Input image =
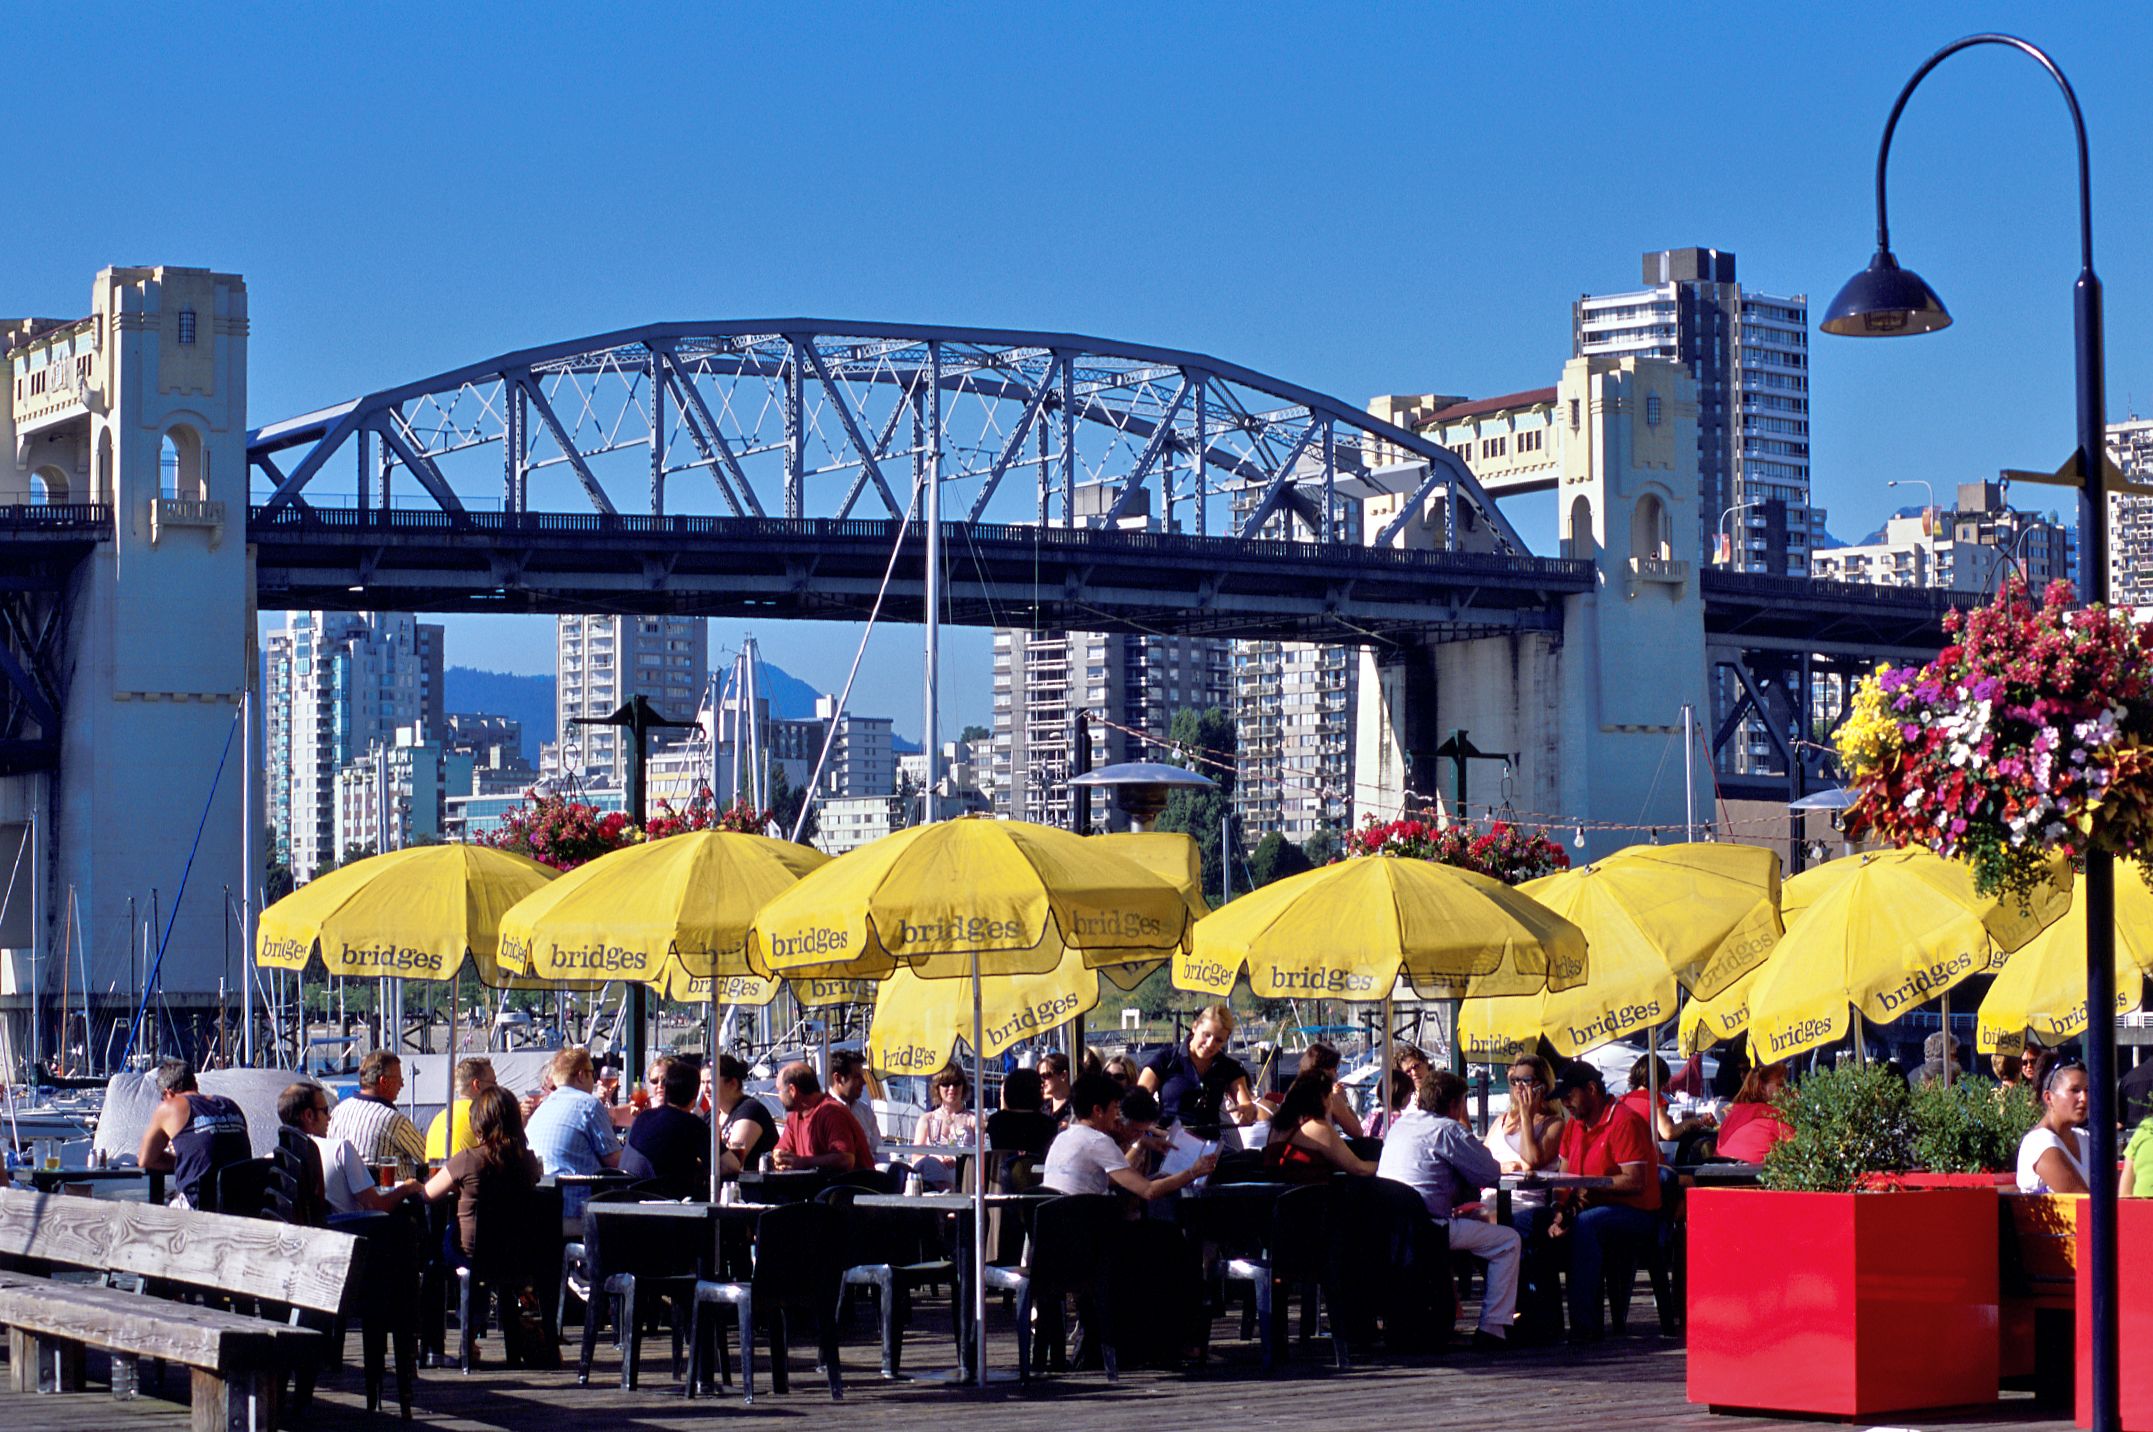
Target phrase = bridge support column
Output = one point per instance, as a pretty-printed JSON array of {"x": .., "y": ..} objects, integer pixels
[{"x": 159, "y": 646}]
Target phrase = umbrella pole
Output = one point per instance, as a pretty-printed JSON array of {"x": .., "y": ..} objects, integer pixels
[
  {"x": 718, "y": 1131},
  {"x": 1386, "y": 1056},
  {"x": 979, "y": 1183},
  {"x": 1861, "y": 1040},
  {"x": 1652, "y": 1079},
  {"x": 1947, "y": 1039}
]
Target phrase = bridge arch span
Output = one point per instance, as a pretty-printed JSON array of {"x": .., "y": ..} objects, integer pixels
[{"x": 801, "y": 417}]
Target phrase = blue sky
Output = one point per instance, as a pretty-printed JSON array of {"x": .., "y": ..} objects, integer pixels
[{"x": 1360, "y": 199}]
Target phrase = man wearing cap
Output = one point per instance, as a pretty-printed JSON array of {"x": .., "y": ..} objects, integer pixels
[{"x": 1605, "y": 1229}]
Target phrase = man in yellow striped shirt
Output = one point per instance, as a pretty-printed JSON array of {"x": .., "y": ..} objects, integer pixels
[{"x": 450, "y": 1132}]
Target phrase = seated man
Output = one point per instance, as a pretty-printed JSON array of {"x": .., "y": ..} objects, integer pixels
[
  {"x": 1605, "y": 1230},
  {"x": 1430, "y": 1149},
  {"x": 819, "y": 1131},
  {"x": 848, "y": 1085},
  {"x": 450, "y": 1132},
  {"x": 572, "y": 1132},
  {"x": 346, "y": 1185},
  {"x": 370, "y": 1121},
  {"x": 1092, "y": 1154},
  {"x": 192, "y": 1135},
  {"x": 667, "y": 1144}
]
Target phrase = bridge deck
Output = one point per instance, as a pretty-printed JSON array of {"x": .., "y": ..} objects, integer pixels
[{"x": 818, "y": 568}]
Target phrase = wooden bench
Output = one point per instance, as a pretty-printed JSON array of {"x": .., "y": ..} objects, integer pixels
[
  {"x": 238, "y": 1362},
  {"x": 2038, "y": 1271}
]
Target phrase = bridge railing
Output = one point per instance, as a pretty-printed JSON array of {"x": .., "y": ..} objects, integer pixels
[
  {"x": 1101, "y": 541},
  {"x": 56, "y": 517},
  {"x": 1761, "y": 585}
]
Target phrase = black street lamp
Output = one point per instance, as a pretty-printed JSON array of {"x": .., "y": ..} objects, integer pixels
[{"x": 1885, "y": 300}]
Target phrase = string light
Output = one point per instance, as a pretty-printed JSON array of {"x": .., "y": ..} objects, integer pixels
[{"x": 1579, "y": 842}]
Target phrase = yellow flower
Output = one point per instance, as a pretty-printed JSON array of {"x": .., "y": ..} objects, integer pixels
[{"x": 1869, "y": 736}]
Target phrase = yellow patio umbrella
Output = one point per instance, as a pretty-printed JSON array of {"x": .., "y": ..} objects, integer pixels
[
  {"x": 1350, "y": 930},
  {"x": 2043, "y": 986},
  {"x": 964, "y": 897},
  {"x": 416, "y": 913},
  {"x": 1706, "y": 1022},
  {"x": 1657, "y": 918},
  {"x": 687, "y": 898},
  {"x": 918, "y": 1023},
  {"x": 1888, "y": 934},
  {"x": 2009, "y": 922},
  {"x": 968, "y": 898}
]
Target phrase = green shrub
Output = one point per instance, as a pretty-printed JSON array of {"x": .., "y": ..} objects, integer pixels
[
  {"x": 1969, "y": 1128},
  {"x": 1849, "y": 1121}
]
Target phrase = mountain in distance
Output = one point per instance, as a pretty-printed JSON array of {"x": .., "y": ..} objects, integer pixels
[{"x": 529, "y": 699}]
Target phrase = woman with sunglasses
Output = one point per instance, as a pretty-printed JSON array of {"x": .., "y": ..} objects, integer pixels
[
  {"x": 1528, "y": 1137},
  {"x": 2052, "y": 1156},
  {"x": 947, "y": 1121}
]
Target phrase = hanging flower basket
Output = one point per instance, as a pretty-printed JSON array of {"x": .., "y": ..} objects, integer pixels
[
  {"x": 564, "y": 834},
  {"x": 1504, "y": 851},
  {"x": 2030, "y": 734}
]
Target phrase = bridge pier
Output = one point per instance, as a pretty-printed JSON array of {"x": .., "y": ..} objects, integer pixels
[
  {"x": 148, "y": 400},
  {"x": 1590, "y": 715}
]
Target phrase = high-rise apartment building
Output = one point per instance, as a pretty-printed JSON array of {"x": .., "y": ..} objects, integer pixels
[
  {"x": 1293, "y": 711},
  {"x": 338, "y": 684},
  {"x": 1749, "y": 353},
  {"x": 600, "y": 662},
  {"x": 1137, "y": 683},
  {"x": 1967, "y": 548},
  {"x": 396, "y": 793},
  {"x": 2130, "y": 518}
]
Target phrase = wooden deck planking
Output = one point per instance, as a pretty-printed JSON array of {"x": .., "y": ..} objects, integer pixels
[{"x": 1624, "y": 1385}]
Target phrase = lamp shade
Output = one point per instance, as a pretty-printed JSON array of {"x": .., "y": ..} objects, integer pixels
[{"x": 1884, "y": 301}]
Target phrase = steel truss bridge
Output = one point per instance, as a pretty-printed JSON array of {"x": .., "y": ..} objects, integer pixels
[{"x": 777, "y": 468}]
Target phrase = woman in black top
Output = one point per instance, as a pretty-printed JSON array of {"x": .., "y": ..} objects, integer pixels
[
  {"x": 1197, "y": 1084},
  {"x": 749, "y": 1131},
  {"x": 1022, "y": 1125}
]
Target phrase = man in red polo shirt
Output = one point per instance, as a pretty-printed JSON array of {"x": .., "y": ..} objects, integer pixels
[
  {"x": 819, "y": 1131},
  {"x": 1606, "y": 1229}
]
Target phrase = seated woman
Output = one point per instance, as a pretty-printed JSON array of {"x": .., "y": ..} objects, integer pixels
[
  {"x": 1304, "y": 1146},
  {"x": 2052, "y": 1156},
  {"x": 1664, "y": 1126},
  {"x": 948, "y": 1121},
  {"x": 1407, "y": 1065},
  {"x": 1022, "y": 1124},
  {"x": 494, "y": 1183},
  {"x": 1321, "y": 1058},
  {"x": 1528, "y": 1137},
  {"x": 1753, "y": 1122}
]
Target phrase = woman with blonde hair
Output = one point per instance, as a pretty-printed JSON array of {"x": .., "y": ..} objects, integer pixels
[{"x": 1198, "y": 1084}]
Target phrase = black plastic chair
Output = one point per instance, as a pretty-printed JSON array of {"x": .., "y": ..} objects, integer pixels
[
  {"x": 517, "y": 1260},
  {"x": 1297, "y": 1253},
  {"x": 294, "y": 1193},
  {"x": 888, "y": 1255},
  {"x": 630, "y": 1258},
  {"x": 797, "y": 1270},
  {"x": 1073, "y": 1251},
  {"x": 240, "y": 1189}
]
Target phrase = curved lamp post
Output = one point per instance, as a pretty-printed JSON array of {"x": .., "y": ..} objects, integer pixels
[{"x": 1885, "y": 300}]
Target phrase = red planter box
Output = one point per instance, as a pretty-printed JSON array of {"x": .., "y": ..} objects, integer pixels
[
  {"x": 1919, "y": 1180},
  {"x": 2134, "y": 1255},
  {"x": 1842, "y": 1304}
]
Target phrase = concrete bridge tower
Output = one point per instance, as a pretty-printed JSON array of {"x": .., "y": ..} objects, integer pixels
[
  {"x": 142, "y": 406},
  {"x": 1591, "y": 715}
]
